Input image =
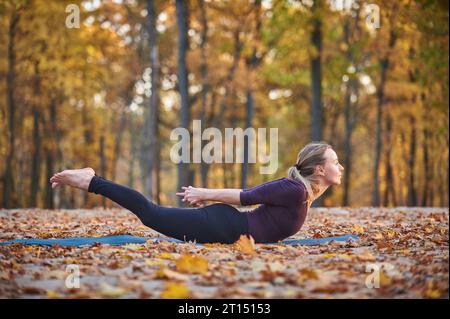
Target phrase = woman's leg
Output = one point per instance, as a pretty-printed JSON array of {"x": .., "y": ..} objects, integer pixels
[{"x": 213, "y": 223}]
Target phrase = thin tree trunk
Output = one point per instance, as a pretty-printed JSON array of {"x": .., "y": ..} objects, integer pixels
[
  {"x": 118, "y": 142},
  {"x": 412, "y": 198},
  {"x": 219, "y": 119},
  {"x": 350, "y": 109},
  {"x": 134, "y": 148},
  {"x": 252, "y": 64},
  {"x": 51, "y": 151},
  {"x": 49, "y": 190},
  {"x": 248, "y": 123},
  {"x": 35, "y": 164},
  {"x": 316, "y": 81},
  {"x": 151, "y": 151},
  {"x": 426, "y": 167},
  {"x": 384, "y": 64},
  {"x": 102, "y": 163},
  {"x": 390, "y": 188},
  {"x": 316, "y": 75},
  {"x": 182, "y": 16},
  {"x": 10, "y": 86},
  {"x": 205, "y": 85},
  {"x": 59, "y": 193}
]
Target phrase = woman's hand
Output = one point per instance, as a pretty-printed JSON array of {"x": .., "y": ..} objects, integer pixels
[{"x": 194, "y": 196}]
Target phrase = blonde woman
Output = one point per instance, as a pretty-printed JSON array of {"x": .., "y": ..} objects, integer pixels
[{"x": 284, "y": 202}]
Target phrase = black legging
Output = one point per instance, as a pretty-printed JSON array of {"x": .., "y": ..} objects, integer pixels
[{"x": 216, "y": 223}]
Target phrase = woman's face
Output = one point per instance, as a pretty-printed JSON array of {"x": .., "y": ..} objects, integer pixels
[{"x": 332, "y": 168}]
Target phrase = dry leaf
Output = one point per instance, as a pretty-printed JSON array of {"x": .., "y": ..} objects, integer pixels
[
  {"x": 106, "y": 290},
  {"x": 192, "y": 264},
  {"x": 175, "y": 291},
  {"x": 246, "y": 245},
  {"x": 358, "y": 229}
]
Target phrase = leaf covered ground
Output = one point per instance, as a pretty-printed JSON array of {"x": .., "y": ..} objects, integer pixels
[{"x": 402, "y": 253}]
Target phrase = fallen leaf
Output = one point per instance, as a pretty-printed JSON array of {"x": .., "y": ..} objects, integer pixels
[
  {"x": 175, "y": 291},
  {"x": 53, "y": 294},
  {"x": 106, "y": 290},
  {"x": 246, "y": 245},
  {"x": 358, "y": 229},
  {"x": 192, "y": 264}
]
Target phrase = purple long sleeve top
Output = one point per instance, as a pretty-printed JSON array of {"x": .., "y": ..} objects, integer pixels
[{"x": 282, "y": 211}]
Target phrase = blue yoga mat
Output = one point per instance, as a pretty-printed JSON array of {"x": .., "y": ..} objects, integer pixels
[{"x": 128, "y": 239}]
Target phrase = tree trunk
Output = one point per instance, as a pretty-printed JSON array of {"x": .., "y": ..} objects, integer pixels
[
  {"x": 118, "y": 142},
  {"x": 152, "y": 181},
  {"x": 347, "y": 150},
  {"x": 426, "y": 167},
  {"x": 252, "y": 64},
  {"x": 316, "y": 81},
  {"x": 384, "y": 65},
  {"x": 205, "y": 85},
  {"x": 390, "y": 188},
  {"x": 248, "y": 123},
  {"x": 412, "y": 199},
  {"x": 182, "y": 16},
  {"x": 59, "y": 193},
  {"x": 10, "y": 78},
  {"x": 102, "y": 163},
  {"x": 134, "y": 148},
  {"x": 35, "y": 164},
  {"x": 48, "y": 188},
  {"x": 316, "y": 75},
  {"x": 219, "y": 119},
  {"x": 51, "y": 150},
  {"x": 349, "y": 115}
]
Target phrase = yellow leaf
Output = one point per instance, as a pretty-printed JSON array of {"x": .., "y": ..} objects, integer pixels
[
  {"x": 70, "y": 261},
  {"x": 358, "y": 229},
  {"x": 246, "y": 245},
  {"x": 431, "y": 291},
  {"x": 174, "y": 291},
  {"x": 384, "y": 279},
  {"x": 106, "y": 290},
  {"x": 192, "y": 264},
  {"x": 53, "y": 294}
]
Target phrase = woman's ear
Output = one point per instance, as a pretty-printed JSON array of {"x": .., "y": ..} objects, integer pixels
[{"x": 319, "y": 170}]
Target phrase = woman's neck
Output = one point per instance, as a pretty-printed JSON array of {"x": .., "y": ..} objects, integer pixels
[{"x": 322, "y": 187}]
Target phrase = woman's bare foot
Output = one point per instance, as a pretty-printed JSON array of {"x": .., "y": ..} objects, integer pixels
[{"x": 78, "y": 178}]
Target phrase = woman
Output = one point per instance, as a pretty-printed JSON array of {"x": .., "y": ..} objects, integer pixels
[{"x": 284, "y": 201}]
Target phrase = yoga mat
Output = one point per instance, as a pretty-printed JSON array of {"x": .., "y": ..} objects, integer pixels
[{"x": 128, "y": 239}]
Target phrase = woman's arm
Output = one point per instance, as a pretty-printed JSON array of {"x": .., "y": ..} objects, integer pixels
[
  {"x": 224, "y": 195},
  {"x": 195, "y": 195}
]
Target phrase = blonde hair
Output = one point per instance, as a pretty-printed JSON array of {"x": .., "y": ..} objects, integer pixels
[{"x": 307, "y": 159}]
